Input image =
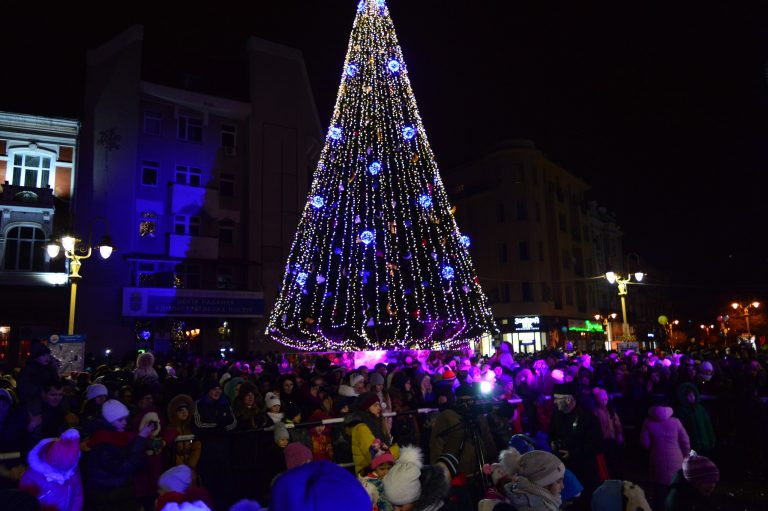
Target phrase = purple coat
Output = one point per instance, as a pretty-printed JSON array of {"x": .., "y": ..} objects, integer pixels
[{"x": 668, "y": 442}]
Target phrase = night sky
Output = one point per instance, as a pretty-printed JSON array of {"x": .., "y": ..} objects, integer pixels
[{"x": 663, "y": 110}]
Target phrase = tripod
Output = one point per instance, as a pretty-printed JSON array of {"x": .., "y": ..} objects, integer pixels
[{"x": 470, "y": 427}]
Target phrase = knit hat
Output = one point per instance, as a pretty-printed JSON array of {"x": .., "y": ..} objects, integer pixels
[
  {"x": 246, "y": 505},
  {"x": 38, "y": 349},
  {"x": 197, "y": 505},
  {"x": 95, "y": 390},
  {"x": 707, "y": 366},
  {"x": 382, "y": 457},
  {"x": 271, "y": 400},
  {"x": 612, "y": 494},
  {"x": 450, "y": 461},
  {"x": 449, "y": 375},
  {"x": 566, "y": 389},
  {"x": 297, "y": 454},
  {"x": 401, "y": 484},
  {"x": 319, "y": 486},
  {"x": 700, "y": 469},
  {"x": 281, "y": 431},
  {"x": 365, "y": 401},
  {"x": 377, "y": 379},
  {"x": 209, "y": 385},
  {"x": 356, "y": 378},
  {"x": 61, "y": 453},
  {"x": 177, "y": 479},
  {"x": 541, "y": 468},
  {"x": 113, "y": 409}
]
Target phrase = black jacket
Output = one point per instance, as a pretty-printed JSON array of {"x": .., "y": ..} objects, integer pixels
[{"x": 114, "y": 457}]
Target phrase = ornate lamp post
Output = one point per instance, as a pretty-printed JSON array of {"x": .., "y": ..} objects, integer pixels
[
  {"x": 622, "y": 282},
  {"x": 76, "y": 251},
  {"x": 745, "y": 312}
]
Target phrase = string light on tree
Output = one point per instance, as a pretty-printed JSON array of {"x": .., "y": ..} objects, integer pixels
[{"x": 378, "y": 261}]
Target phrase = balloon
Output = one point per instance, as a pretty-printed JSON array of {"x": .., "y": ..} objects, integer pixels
[{"x": 663, "y": 320}]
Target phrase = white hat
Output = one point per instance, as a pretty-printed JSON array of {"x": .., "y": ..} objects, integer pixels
[
  {"x": 541, "y": 468},
  {"x": 355, "y": 379},
  {"x": 95, "y": 390},
  {"x": 113, "y": 409},
  {"x": 271, "y": 400},
  {"x": 177, "y": 479},
  {"x": 401, "y": 484}
]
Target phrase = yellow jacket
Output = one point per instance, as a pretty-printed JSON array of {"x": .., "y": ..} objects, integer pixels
[{"x": 362, "y": 438}]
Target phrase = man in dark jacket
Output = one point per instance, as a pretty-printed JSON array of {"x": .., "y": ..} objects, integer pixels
[
  {"x": 213, "y": 420},
  {"x": 38, "y": 371},
  {"x": 575, "y": 437},
  {"x": 24, "y": 429}
]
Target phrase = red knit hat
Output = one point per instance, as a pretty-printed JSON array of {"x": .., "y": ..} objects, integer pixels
[
  {"x": 384, "y": 457},
  {"x": 297, "y": 454},
  {"x": 448, "y": 375},
  {"x": 64, "y": 453}
]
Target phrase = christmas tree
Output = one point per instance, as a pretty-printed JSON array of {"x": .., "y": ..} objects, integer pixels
[{"x": 378, "y": 261}]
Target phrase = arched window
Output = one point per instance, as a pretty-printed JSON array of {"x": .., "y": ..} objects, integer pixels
[{"x": 25, "y": 249}]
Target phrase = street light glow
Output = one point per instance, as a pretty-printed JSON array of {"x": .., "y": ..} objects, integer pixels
[
  {"x": 639, "y": 276},
  {"x": 53, "y": 250},
  {"x": 610, "y": 277},
  {"x": 68, "y": 242}
]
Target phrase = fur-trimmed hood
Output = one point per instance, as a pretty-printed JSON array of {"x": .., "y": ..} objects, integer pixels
[
  {"x": 347, "y": 391},
  {"x": 36, "y": 460}
]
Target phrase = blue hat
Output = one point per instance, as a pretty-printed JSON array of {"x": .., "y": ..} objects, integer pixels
[{"x": 319, "y": 486}]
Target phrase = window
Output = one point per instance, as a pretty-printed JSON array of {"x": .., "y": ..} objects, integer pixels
[
  {"x": 25, "y": 249},
  {"x": 524, "y": 256},
  {"x": 546, "y": 292},
  {"x": 503, "y": 253},
  {"x": 147, "y": 224},
  {"x": 522, "y": 210},
  {"x": 189, "y": 128},
  {"x": 149, "y": 172},
  {"x": 186, "y": 276},
  {"x": 569, "y": 294},
  {"x": 32, "y": 170},
  {"x": 225, "y": 277},
  {"x": 226, "y": 232},
  {"x": 145, "y": 274},
  {"x": 566, "y": 259},
  {"x": 527, "y": 290},
  {"x": 185, "y": 224},
  {"x": 563, "y": 225},
  {"x": 505, "y": 293},
  {"x": 152, "y": 122},
  {"x": 228, "y": 139},
  {"x": 500, "y": 212},
  {"x": 227, "y": 185},
  {"x": 186, "y": 175}
]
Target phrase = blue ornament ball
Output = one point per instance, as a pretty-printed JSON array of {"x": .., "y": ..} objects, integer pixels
[
  {"x": 408, "y": 132},
  {"x": 301, "y": 279},
  {"x": 394, "y": 65},
  {"x": 336, "y": 133},
  {"x": 366, "y": 237},
  {"x": 374, "y": 168},
  {"x": 425, "y": 201},
  {"x": 352, "y": 70},
  {"x": 318, "y": 202},
  {"x": 447, "y": 272},
  {"x": 465, "y": 241}
]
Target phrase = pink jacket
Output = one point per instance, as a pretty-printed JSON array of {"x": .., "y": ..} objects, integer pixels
[
  {"x": 668, "y": 442},
  {"x": 55, "y": 490}
]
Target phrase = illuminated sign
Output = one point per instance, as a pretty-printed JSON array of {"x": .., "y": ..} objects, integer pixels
[
  {"x": 527, "y": 323},
  {"x": 578, "y": 325}
]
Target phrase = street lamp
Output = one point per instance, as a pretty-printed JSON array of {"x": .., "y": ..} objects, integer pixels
[
  {"x": 622, "y": 282},
  {"x": 608, "y": 330},
  {"x": 745, "y": 311},
  {"x": 75, "y": 250}
]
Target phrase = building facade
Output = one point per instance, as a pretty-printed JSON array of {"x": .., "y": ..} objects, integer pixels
[
  {"x": 37, "y": 162},
  {"x": 200, "y": 194},
  {"x": 530, "y": 232}
]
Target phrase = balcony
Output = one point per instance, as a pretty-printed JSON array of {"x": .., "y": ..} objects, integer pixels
[
  {"x": 193, "y": 200},
  {"x": 193, "y": 247},
  {"x": 26, "y": 196}
]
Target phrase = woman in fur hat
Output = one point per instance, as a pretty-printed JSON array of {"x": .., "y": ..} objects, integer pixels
[
  {"x": 186, "y": 451},
  {"x": 145, "y": 373},
  {"x": 412, "y": 486},
  {"x": 538, "y": 482},
  {"x": 53, "y": 476}
]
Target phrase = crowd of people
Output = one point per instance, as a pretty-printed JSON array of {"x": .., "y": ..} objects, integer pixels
[{"x": 419, "y": 431}]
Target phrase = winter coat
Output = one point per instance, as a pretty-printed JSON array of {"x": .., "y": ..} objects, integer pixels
[
  {"x": 114, "y": 457},
  {"x": 185, "y": 452},
  {"x": 448, "y": 433},
  {"x": 362, "y": 438},
  {"x": 579, "y": 433},
  {"x": 668, "y": 442},
  {"x": 212, "y": 422},
  {"x": 695, "y": 419},
  {"x": 684, "y": 497},
  {"x": 30, "y": 383},
  {"x": 322, "y": 445},
  {"x": 56, "y": 491}
]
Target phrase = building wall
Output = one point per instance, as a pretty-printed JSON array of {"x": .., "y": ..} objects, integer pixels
[
  {"x": 188, "y": 208},
  {"x": 527, "y": 220}
]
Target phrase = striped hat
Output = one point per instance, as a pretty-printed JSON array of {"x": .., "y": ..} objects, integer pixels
[{"x": 700, "y": 469}]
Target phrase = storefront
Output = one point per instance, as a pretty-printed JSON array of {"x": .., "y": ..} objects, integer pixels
[{"x": 528, "y": 334}]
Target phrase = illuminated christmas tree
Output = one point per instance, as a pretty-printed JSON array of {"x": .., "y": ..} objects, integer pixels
[{"x": 378, "y": 261}]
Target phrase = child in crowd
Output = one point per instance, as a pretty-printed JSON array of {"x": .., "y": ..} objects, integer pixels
[
  {"x": 321, "y": 438},
  {"x": 381, "y": 462}
]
